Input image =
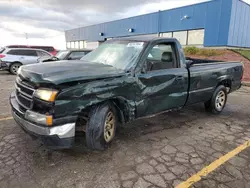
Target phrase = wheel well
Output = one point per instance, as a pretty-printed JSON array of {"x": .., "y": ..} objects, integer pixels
[
  {"x": 120, "y": 105},
  {"x": 122, "y": 110},
  {"x": 16, "y": 62},
  {"x": 227, "y": 83}
]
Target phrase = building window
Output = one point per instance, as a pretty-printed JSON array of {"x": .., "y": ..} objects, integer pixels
[
  {"x": 81, "y": 44},
  {"x": 68, "y": 44},
  {"x": 92, "y": 45},
  {"x": 196, "y": 37},
  {"x": 181, "y": 36},
  {"x": 77, "y": 44},
  {"x": 72, "y": 44},
  {"x": 167, "y": 35}
]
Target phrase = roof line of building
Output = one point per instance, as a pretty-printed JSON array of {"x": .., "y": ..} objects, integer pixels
[{"x": 248, "y": 4}]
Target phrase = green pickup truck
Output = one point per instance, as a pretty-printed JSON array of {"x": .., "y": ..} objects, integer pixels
[{"x": 122, "y": 80}]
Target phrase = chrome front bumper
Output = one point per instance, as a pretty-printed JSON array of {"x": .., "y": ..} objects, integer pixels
[
  {"x": 61, "y": 136},
  {"x": 62, "y": 131}
]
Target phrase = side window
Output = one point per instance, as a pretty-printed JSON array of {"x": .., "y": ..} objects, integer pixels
[
  {"x": 13, "y": 52},
  {"x": 161, "y": 56},
  {"x": 27, "y": 52},
  {"x": 42, "y": 54},
  {"x": 45, "y": 48},
  {"x": 76, "y": 55},
  {"x": 50, "y": 49}
]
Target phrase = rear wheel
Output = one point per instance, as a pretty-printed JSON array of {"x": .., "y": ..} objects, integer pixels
[
  {"x": 14, "y": 68},
  {"x": 101, "y": 127},
  {"x": 218, "y": 101}
]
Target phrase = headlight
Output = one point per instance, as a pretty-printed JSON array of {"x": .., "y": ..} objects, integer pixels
[{"x": 46, "y": 94}]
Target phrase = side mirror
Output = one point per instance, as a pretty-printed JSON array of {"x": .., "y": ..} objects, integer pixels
[
  {"x": 189, "y": 63},
  {"x": 69, "y": 58}
]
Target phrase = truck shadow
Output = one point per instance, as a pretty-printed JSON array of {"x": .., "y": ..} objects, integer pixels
[{"x": 125, "y": 137}]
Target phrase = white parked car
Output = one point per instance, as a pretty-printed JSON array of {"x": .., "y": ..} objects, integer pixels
[{"x": 12, "y": 58}]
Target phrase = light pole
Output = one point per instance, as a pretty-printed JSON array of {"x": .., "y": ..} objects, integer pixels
[{"x": 27, "y": 38}]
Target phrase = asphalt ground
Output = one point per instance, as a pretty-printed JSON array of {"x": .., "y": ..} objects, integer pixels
[{"x": 186, "y": 148}]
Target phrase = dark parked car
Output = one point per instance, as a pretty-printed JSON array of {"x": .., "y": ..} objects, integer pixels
[
  {"x": 67, "y": 55},
  {"x": 122, "y": 80}
]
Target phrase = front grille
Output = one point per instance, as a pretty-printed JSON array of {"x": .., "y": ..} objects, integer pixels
[{"x": 24, "y": 93}]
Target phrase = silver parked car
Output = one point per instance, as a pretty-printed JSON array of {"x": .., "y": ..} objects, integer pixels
[{"x": 12, "y": 58}]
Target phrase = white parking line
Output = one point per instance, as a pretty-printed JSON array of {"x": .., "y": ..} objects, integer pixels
[{"x": 6, "y": 118}]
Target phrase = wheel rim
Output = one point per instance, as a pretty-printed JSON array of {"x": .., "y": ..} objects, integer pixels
[
  {"x": 15, "y": 68},
  {"x": 109, "y": 127},
  {"x": 220, "y": 100}
]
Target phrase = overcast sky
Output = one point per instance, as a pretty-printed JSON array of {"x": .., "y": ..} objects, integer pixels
[{"x": 44, "y": 21}]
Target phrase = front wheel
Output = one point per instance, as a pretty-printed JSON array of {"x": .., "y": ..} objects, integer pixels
[
  {"x": 101, "y": 127},
  {"x": 218, "y": 101}
]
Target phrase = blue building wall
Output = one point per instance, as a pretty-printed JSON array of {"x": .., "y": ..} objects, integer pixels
[
  {"x": 225, "y": 22},
  {"x": 239, "y": 34},
  {"x": 144, "y": 24},
  {"x": 217, "y": 23},
  {"x": 171, "y": 20},
  {"x": 163, "y": 21}
]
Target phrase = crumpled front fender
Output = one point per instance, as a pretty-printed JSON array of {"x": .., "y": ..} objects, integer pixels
[{"x": 73, "y": 100}]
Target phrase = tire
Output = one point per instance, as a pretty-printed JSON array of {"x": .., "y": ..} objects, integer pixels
[
  {"x": 99, "y": 134},
  {"x": 218, "y": 101},
  {"x": 14, "y": 68}
]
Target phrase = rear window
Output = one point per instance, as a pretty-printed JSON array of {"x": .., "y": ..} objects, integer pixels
[
  {"x": 13, "y": 52},
  {"x": 50, "y": 49}
]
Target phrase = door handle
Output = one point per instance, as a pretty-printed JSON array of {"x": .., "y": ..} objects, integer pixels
[{"x": 179, "y": 78}]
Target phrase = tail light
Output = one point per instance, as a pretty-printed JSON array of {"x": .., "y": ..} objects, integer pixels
[{"x": 2, "y": 56}]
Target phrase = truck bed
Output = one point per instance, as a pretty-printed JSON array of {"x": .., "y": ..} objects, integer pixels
[
  {"x": 199, "y": 61},
  {"x": 205, "y": 75}
]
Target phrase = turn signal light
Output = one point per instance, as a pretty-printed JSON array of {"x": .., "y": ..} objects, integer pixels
[{"x": 49, "y": 120}]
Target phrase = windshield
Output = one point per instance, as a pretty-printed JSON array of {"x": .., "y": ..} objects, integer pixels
[
  {"x": 119, "y": 54},
  {"x": 62, "y": 54}
]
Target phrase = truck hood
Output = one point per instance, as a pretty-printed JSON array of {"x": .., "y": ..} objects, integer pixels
[{"x": 67, "y": 71}]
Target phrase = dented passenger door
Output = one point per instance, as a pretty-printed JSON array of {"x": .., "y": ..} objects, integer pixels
[{"x": 162, "y": 83}]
